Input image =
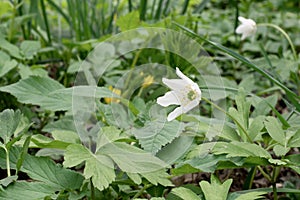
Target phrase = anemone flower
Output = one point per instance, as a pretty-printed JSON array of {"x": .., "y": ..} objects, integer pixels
[
  {"x": 184, "y": 92},
  {"x": 247, "y": 28}
]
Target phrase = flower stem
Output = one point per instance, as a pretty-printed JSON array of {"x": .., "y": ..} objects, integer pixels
[
  {"x": 229, "y": 115},
  {"x": 264, "y": 173},
  {"x": 284, "y": 34},
  {"x": 141, "y": 191},
  {"x": 7, "y": 162}
]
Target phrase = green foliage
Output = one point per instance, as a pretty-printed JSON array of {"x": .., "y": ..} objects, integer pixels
[{"x": 81, "y": 125}]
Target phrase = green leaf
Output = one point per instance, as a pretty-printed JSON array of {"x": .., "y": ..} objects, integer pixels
[
  {"x": 241, "y": 114},
  {"x": 275, "y": 130},
  {"x": 280, "y": 150},
  {"x": 8, "y": 180},
  {"x": 128, "y": 21},
  {"x": 155, "y": 134},
  {"x": 7, "y": 66},
  {"x": 44, "y": 169},
  {"x": 240, "y": 149},
  {"x": 26, "y": 191},
  {"x": 10, "y": 48},
  {"x": 295, "y": 140},
  {"x": 9, "y": 121},
  {"x": 185, "y": 193},
  {"x": 29, "y": 48},
  {"x": 33, "y": 90},
  {"x": 246, "y": 196},
  {"x": 255, "y": 127},
  {"x": 215, "y": 190},
  {"x": 99, "y": 168},
  {"x": 158, "y": 177},
  {"x": 132, "y": 159}
]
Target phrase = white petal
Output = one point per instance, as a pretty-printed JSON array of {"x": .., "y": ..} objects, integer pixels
[
  {"x": 242, "y": 19},
  {"x": 184, "y": 77},
  {"x": 169, "y": 98},
  {"x": 191, "y": 105},
  {"x": 174, "y": 84},
  {"x": 241, "y": 29},
  {"x": 175, "y": 113}
]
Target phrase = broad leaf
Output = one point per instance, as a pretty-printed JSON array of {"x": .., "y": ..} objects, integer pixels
[
  {"x": 215, "y": 190},
  {"x": 240, "y": 149},
  {"x": 129, "y": 21},
  {"x": 132, "y": 159},
  {"x": 26, "y": 191},
  {"x": 158, "y": 133},
  {"x": 99, "y": 168},
  {"x": 29, "y": 48},
  {"x": 185, "y": 193},
  {"x": 275, "y": 131},
  {"x": 43, "y": 169},
  {"x": 247, "y": 196},
  {"x": 9, "y": 121}
]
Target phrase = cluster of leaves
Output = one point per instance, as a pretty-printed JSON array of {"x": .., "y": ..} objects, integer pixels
[{"x": 129, "y": 150}]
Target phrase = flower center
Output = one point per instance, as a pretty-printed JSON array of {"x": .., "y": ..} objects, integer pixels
[{"x": 191, "y": 95}]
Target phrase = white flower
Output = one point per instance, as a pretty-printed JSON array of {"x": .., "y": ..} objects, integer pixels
[
  {"x": 247, "y": 28},
  {"x": 184, "y": 92}
]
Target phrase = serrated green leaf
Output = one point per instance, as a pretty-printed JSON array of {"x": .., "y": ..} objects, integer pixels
[
  {"x": 240, "y": 149},
  {"x": 280, "y": 150},
  {"x": 129, "y": 21},
  {"x": 107, "y": 135},
  {"x": 29, "y": 48},
  {"x": 255, "y": 127},
  {"x": 76, "y": 154},
  {"x": 158, "y": 177},
  {"x": 275, "y": 130},
  {"x": 101, "y": 169},
  {"x": 215, "y": 190},
  {"x": 9, "y": 121},
  {"x": 158, "y": 133},
  {"x": 33, "y": 90},
  {"x": 26, "y": 191},
  {"x": 132, "y": 159},
  {"x": 246, "y": 196},
  {"x": 10, "y": 48},
  {"x": 294, "y": 141},
  {"x": 7, "y": 66},
  {"x": 97, "y": 167},
  {"x": 185, "y": 193},
  {"x": 44, "y": 169},
  {"x": 134, "y": 177}
]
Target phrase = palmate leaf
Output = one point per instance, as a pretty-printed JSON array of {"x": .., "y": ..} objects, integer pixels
[
  {"x": 97, "y": 167},
  {"x": 215, "y": 190}
]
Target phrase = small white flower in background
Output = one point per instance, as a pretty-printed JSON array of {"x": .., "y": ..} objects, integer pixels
[
  {"x": 247, "y": 28},
  {"x": 184, "y": 92}
]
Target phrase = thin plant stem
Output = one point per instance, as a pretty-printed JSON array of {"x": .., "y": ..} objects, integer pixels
[
  {"x": 92, "y": 190},
  {"x": 284, "y": 34},
  {"x": 141, "y": 191},
  {"x": 7, "y": 162},
  {"x": 229, "y": 115},
  {"x": 274, "y": 178},
  {"x": 264, "y": 173}
]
